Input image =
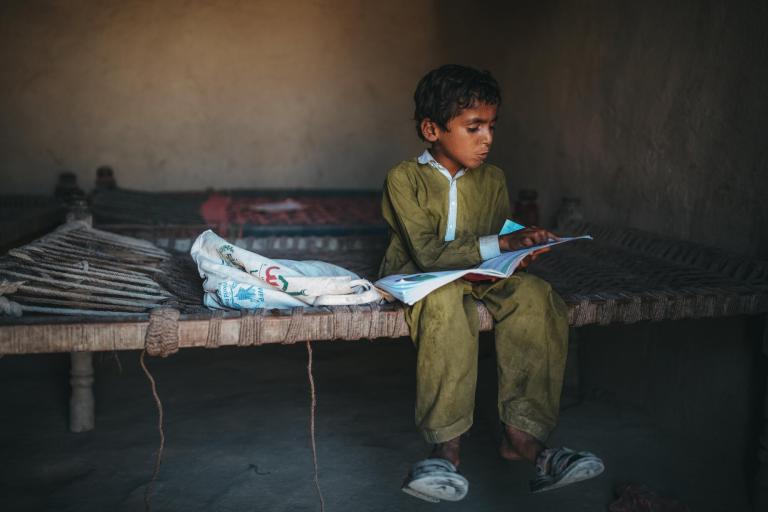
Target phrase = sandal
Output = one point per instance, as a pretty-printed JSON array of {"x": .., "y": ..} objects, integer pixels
[
  {"x": 434, "y": 480},
  {"x": 558, "y": 467}
]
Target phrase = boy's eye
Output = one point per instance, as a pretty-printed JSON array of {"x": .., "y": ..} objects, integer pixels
[{"x": 473, "y": 129}]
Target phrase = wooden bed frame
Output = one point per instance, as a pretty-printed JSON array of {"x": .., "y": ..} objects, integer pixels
[{"x": 86, "y": 290}]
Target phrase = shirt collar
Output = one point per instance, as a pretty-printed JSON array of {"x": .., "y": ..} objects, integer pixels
[{"x": 427, "y": 158}]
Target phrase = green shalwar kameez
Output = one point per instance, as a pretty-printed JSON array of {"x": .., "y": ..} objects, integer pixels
[{"x": 531, "y": 331}]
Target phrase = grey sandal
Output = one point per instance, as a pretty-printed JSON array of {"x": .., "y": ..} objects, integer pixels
[
  {"x": 434, "y": 480},
  {"x": 558, "y": 467}
]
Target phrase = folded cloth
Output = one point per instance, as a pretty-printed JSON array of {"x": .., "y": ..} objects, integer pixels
[{"x": 239, "y": 279}]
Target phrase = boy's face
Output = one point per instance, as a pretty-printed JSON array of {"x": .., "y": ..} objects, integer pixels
[{"x": 467, "y": 140}]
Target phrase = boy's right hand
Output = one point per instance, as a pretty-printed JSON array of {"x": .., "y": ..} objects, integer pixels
[{"x": 527, "y": 237}]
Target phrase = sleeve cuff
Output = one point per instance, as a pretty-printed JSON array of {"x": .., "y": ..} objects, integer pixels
[{"x": 489, "y": 247}]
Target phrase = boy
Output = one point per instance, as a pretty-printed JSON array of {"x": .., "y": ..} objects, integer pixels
[{"x": 444, "y": 210}]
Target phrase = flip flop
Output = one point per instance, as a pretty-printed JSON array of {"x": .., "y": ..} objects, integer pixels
[
  {"x": 434, "y": 480},
  {"x": 558, "y": 467}
]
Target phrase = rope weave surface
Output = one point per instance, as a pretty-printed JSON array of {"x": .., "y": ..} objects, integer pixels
[
  {"x": 8, "y": 307},
  {"x": 374, "y": 325},
  {"x": 295, "y": 327},
  {"x": 623, "y": 276},
  {"x": 162, "y": 338},
  {"x": 213, "y": 339},
  {"x": 250, "y": 327}
]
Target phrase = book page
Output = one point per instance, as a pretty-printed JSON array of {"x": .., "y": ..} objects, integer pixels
[
  {"x": 414, "y": 287},
  {"x": 509, "y": 261}
]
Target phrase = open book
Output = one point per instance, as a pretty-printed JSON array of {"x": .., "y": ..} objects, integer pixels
[{"x": 411, "y": 288}]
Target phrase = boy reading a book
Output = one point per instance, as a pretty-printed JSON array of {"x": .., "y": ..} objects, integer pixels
[{"x": 444, "y": 209}]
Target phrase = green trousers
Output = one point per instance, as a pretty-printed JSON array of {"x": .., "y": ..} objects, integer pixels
[{"x": 531, "y": 331}]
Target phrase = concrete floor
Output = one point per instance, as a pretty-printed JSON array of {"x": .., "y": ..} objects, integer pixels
[{"x": 237, "y": 438}]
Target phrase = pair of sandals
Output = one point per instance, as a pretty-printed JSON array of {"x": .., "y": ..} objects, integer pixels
[{"x": 436, "y": 480}]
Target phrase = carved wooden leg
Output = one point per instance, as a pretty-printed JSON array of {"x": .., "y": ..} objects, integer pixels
[{"x": 81, "y": 402}]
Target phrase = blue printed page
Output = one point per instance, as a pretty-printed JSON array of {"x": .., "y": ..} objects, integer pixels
[{"x": 414, "y": 287}]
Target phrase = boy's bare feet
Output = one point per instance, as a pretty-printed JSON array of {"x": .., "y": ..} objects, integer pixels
[
  {"x": 448, "y": 450},
  {"x": 515, "y": 445},
  {"x": 518, "y": 445}
]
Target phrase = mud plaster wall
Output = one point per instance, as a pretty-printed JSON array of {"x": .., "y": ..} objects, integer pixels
[
  {"x": 186, "y": 95},
  {"x": 653, "y": 113}
]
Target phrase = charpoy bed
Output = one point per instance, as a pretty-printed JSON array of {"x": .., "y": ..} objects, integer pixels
[{"x": 85, "y": 290}]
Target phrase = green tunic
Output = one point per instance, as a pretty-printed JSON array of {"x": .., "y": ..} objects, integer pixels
[
  {"x": 531, "y": 326},
  {"x": 415, "y": 205}
]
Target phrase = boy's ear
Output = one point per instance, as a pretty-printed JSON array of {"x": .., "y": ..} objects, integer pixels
[{"x": 429, "y": 130}]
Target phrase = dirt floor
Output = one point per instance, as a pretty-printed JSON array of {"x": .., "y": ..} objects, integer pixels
[{"x": 236, "y": 423}]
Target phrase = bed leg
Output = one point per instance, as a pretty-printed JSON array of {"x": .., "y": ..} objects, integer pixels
[
  {"x": 82, "y": 417},
  {"x": 760, "y": 494}
]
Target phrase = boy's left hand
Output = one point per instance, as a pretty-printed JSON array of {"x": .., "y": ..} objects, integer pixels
[
  {"x": 526, "y": 237},
  {"x": 532, "y": 257}
]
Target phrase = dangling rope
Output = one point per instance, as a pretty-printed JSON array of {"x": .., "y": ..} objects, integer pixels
[
  {"x": 313, "y": 410},
  {"x": 117, "y": 361},
  {"x": 159, "y": 458},
  {"x": 157, "y": 329},
  {"x": 162, "y": 339}
]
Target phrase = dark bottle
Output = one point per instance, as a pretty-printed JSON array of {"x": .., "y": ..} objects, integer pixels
[
  {"x": 526, "y": 208},
  {"x": 66, "y": 189},
  {"x": 105, "y": 178},
  {"x": 569, "y": 213}
]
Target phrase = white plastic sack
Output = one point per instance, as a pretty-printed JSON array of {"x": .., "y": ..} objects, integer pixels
[{"x": 240, "y": 279}]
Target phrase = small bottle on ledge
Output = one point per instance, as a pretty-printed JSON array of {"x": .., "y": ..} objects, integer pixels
[
  {"x": 105, "y": 178},
  {"x": 67, "y": 190},
  {"x": 569, "y": 213},
  {"x": 526, "y": 209}
]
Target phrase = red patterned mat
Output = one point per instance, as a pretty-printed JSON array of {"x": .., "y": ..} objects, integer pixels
[{"x": 220, "y": 210}]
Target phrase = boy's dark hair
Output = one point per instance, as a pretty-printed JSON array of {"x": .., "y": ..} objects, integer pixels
[{"x": 444, "y": 92}]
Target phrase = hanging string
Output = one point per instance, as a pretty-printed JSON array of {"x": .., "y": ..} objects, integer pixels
[
  {"x": 313, "y": 410},
  {"x": 117, "y": 360},
  {"x": 159, "y": 458}
]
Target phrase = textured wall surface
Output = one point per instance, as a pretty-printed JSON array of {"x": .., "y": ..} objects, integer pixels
[
  {"x": 230, "y": 93},
  {"x": 653, "y": 113}
]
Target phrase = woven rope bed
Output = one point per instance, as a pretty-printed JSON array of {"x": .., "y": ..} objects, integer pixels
[
  {"x": 83, "y": 290},
  {"x": 86, "y": 289}
]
